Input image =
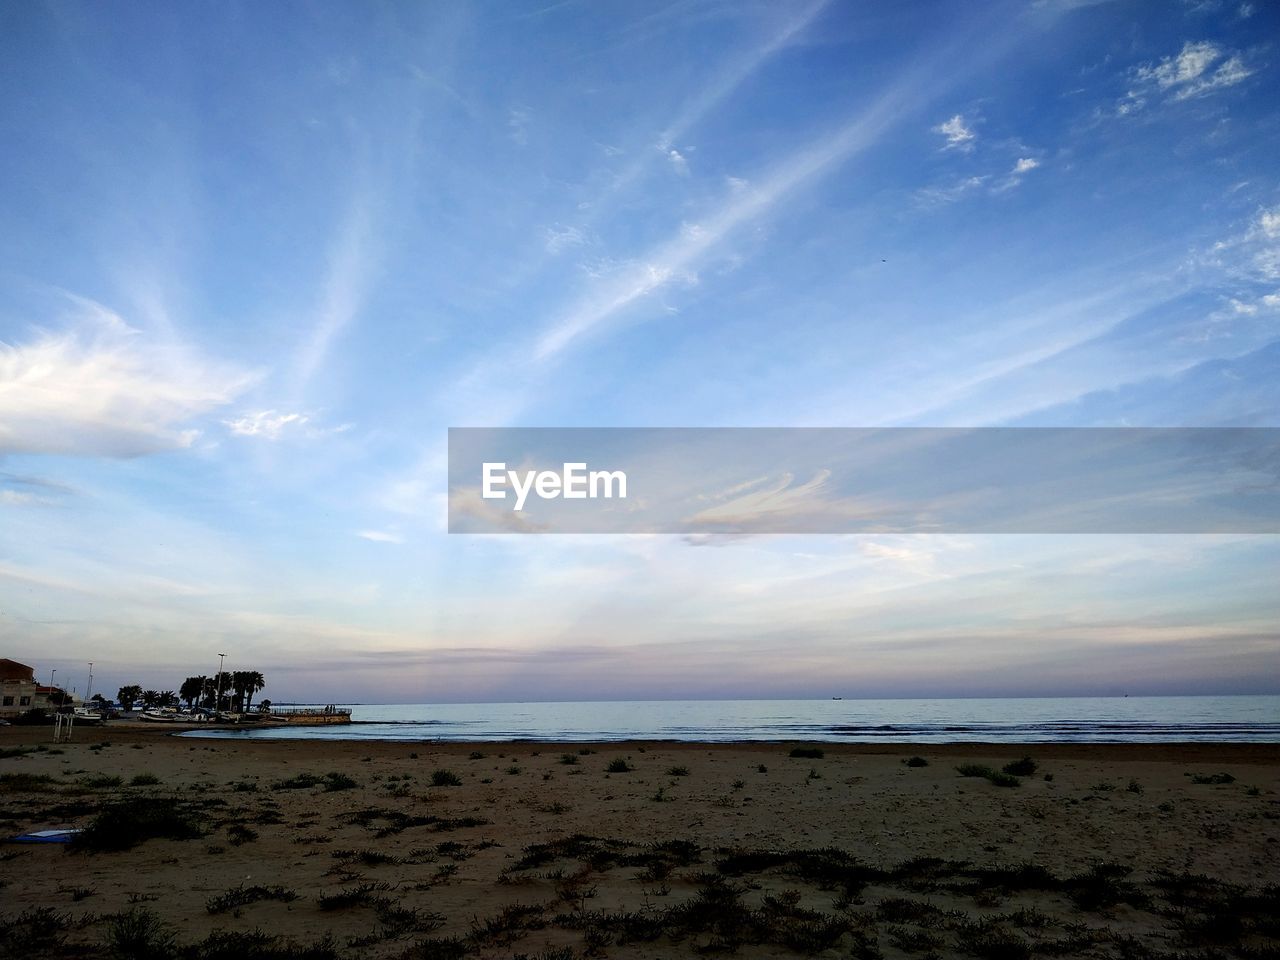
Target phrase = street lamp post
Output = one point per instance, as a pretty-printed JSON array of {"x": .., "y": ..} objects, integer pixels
[
  {"x": 218, "y": 705},
  {"x": 89, "y": 687},
  {"x": 52, "y": 671}
]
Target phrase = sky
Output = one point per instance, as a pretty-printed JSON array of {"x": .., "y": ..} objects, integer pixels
[{"x": 256, "y": 259}]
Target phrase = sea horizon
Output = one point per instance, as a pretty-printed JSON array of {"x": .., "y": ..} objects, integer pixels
[{"x": 1234, "y": 718}]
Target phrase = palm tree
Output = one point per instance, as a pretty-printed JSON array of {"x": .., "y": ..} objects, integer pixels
[
  {"x": 168, "y": 699},
  {"x": 128, "y": 696},
  {"x": 238, "y": 680},
  {"x": 254, "y": 684},
  {"x": 150, "y": 698},
  {"x": 191, "y": 689}
]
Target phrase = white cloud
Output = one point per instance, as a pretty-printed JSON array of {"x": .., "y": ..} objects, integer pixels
[
  {"x": 559, "y": 237},
  {"x": 1253, "y": 253},
  {"x": 380, "y": 536},
  {"x": 265, "y": 423},
  {"x": 952, "y": 193},
  {"x": 959, "y": 134},
  {"x": 1191, "y": 73},
  {"x": 1023, "y": 166},
  {"x": 103, "y": 389},
  {"x": 1268, "y": 223},
  {"x": 1188, "y": 65},
  {"x": 678, "y": 162}
]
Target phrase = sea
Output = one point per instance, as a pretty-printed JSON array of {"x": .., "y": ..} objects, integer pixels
[{"x": 1234, "y": 719}]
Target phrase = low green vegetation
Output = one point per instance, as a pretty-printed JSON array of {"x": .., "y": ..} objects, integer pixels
[
  {"x": 242, "y": 896},
  {"x": 124, "y": 826},
  {"x": 304, "y": 781},
  {"x": 997, "y": 777}
]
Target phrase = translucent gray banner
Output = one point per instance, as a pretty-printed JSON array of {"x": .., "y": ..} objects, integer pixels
[{"x": 738, "y": 481}]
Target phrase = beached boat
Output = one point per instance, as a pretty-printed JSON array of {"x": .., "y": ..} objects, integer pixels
[{"x": 158, "y": 716}]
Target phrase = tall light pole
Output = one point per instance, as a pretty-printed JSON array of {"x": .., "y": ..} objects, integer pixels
[
  {"x": 89, "y": 688},
  {"x": 218, "y": 705},
  {"x": 52, "y": 671}
]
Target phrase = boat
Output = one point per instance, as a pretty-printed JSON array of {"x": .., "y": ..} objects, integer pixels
[
  {"x": 158, "y": 716},
  {"x": 86, "y": 715}
]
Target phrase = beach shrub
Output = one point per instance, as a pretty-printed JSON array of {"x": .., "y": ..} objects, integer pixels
[
  {"x": 997, "y": 777},
  {"x": 569, "y": 759},
  {"x": 7, "y": 753},
  {"x": 677, "y": 771},
  {"x": 256, "y": 945},
  {"x": 101, "y": 781},
  {"x": 139, "y": 934},
  {"x": 445, "y": 778},
  {"x": 37, "y": 932},
  {"x": 242, "y": 896},
  {"x": 144, "y": 780},
  {"x": 330, "y": 782},
  {"x": 16, "y": 782},
  {"x": 808, "y": 753},
  {"x": 1020, "y": 768},
  {"x": 1213, "y": 778},
  {"x": 238, "y": 834},
  {"x": 437, "y": 948},
  {"x": 916, "y": 762},
  {"x": 124, "y": 826},
  {"x": 365, "y": 894},
  {"x": 619, "y": 765}
]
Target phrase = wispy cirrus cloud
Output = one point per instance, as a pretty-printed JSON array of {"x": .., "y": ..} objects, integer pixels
[
  {"x": 267, "y": 424},
  {"x": 1200, "y": 68},
  {"x": 102, "y": 388},
  {"x": 350, "y": 270},
  {"x": 380, "y": 536},
  {"x": 677, "y": 256}
]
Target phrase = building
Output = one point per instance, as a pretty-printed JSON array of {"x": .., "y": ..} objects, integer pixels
[
  {"x": 17, "y": 688},
  {"x": 22, "y": 693}
]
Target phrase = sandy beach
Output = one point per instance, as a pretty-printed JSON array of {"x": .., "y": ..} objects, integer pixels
[{"x": 338, "y": 848}]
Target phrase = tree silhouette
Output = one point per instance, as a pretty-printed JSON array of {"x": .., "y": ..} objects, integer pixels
[
  {"x": 191, "y": 690},
  {"x": 128, "y": 696},
  {"x": 253, "y": 684},
  {"x": 244, "y": 684},
  {"x": 150, "y": 698}
]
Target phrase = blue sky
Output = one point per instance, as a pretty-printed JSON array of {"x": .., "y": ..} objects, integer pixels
[{"x": 256, "y": 259}]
